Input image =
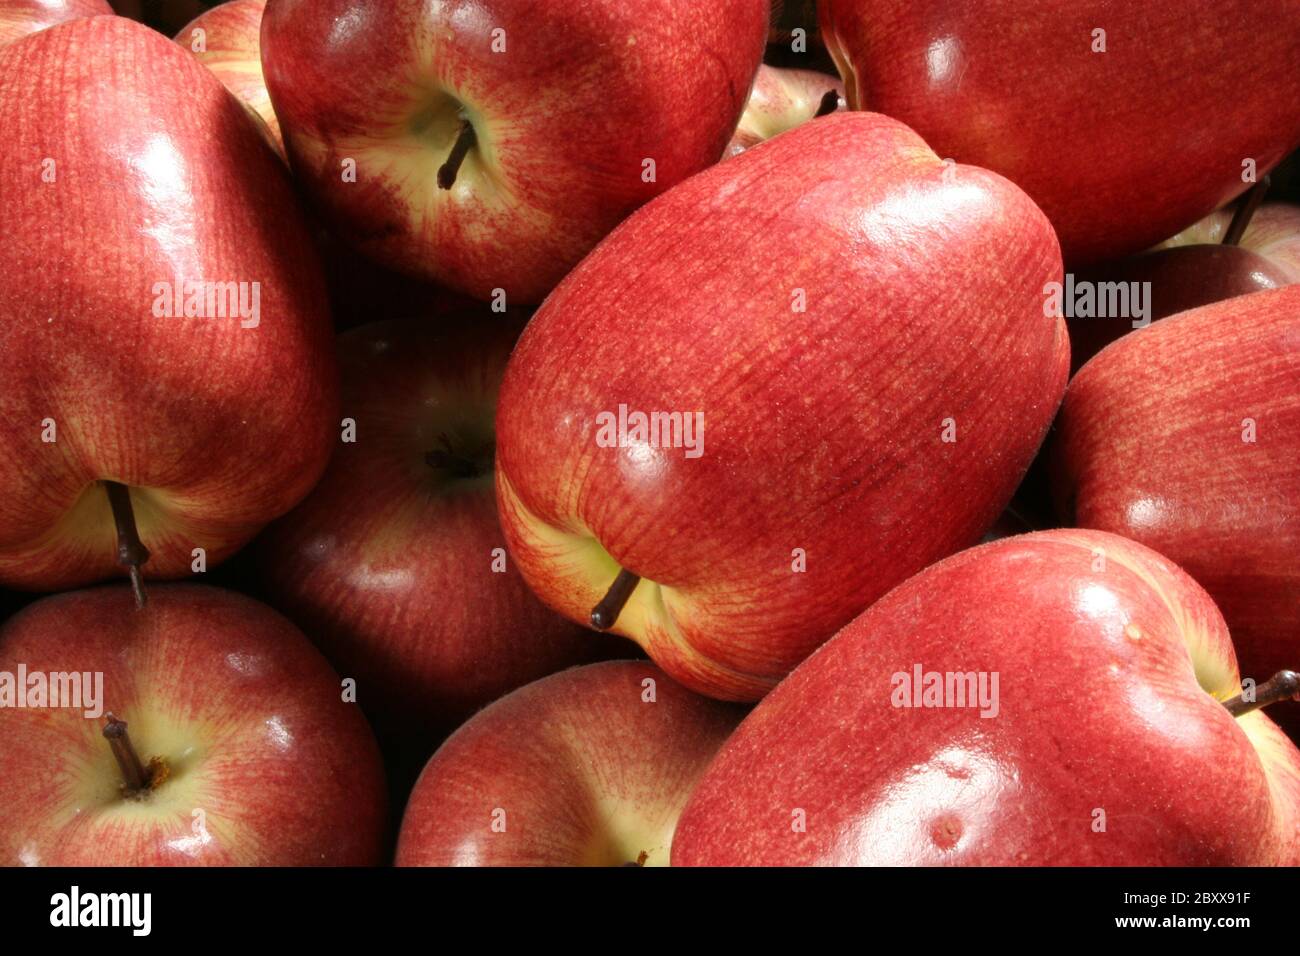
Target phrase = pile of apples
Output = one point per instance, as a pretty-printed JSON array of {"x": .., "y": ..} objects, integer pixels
[{"x": 314, "y": 319}]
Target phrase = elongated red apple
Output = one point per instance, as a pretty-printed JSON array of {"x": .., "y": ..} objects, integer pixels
[
  {"x": 164, "y": 334},
  {"x": 227, "y": 40},
  {"x": 1186, "y": 436},
  {"x": 395, "y": 564},
  {"x": 843, "y": 343},
  {"x": 781, "y": 100},
  {"x": 491, "y": 146},
  {"x": 1205, "y": 263},
  {"x": 1061, "y": 698},
  {"x": 1125, "y": 122},
  {"x": 204, "y": 730},
  {"x": 589, "y": 767},
  {"x": 18, "y": 18}
]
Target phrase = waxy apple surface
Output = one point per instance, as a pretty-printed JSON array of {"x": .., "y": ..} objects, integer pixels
[
  {"x": 265, "y": 764},
  {"x": 588, "y": 767},
  {"x": 1107, "y": 742},
  {"x": 1120, "y": 148},
  {"x": 1186, "y": 436},
  {"x": 567, "y": 103},
  {"x": 395, "y": 564},
  {"x": 134, "y": 172},
  {"x": 18, "y": 18},
  {"x": 227, "y": 40},
  {"x": 861, "y": 328}
]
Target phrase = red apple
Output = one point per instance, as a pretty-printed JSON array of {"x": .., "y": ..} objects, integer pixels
[
  {"x": 395, "y": 563},
  {"x": 490, "y": 146},
  {"x": 238, "y": 750},
  {"x": 587, "y": 767},
  {"x": 1186, "y": 436},
  {"x": 165, "y": 341},
  {"x": 1194, "y": 268},
  {"x": 1124, "y": 121},
  {"x": 21, "y": 17},
  {"x": 856, "y": 330},
  {"x": 781, "y": 100},
  {"x": 1075, "y": 706},
  {"x": 227, "y": 40}
]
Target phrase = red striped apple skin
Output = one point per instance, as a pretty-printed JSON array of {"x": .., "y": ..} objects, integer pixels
[
  {"x": 246, "y": 713},
  {"x": 18, "y": 18},
  {"x": 581, "y": 768},
  {"x": 1112, "y": 667},
  {"x": 389, "y": 563},
  {"x": 1121, "y": 149},
  {"x": 567, "y": 106},
  {"x": 1150, "y": 445},
  {"x": 232, "y": 51},
  {"x": 158, "y": 175},
  {"x": 923, "y": 285}
]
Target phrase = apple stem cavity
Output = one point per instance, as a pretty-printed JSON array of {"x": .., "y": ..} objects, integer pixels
[
  {"x": 1284, "y": 685},
  {"x": 457, "y": 464},
  {"x": 605, "y": 614},
  {"x": 135, "y": 777},
  {"x": 131, "y": 552},
  {"x": 1245, "y": 210},
  {"x": 830, "y": 102},
  {"x": 465, "y": 141}
]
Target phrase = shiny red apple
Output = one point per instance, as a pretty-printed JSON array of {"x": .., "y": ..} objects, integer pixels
[
  {"x": 589, "y": 767},
  {"x": 165, "y": 345},
  {"x": 851, "y": 336},
  {"x": 491, "y": 145},
  {"x": 1125, "y": 122},
  {"x": 221, "y": 738},
  {"x": 1064, "y": 698}
]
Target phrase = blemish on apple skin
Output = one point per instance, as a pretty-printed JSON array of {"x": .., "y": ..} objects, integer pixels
[
  {"x": 946, "y": 832},
  {"x": 1133, "y": 632}
]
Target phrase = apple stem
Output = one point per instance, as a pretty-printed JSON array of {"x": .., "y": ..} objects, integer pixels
[
  {"x": 1284, "y": 685},
  {"x": 1245, "y": 210},
  {"x": 605, "y": 614},
  {"x": 830, "y": 102},
  {"x": 133, "y": 772},
  {"x": 465, "y": 141},
  {"x": 131, "y": 551}
]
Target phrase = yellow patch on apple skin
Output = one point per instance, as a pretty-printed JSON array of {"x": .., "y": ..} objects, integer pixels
[
  {"x": 1281, "y": 763},
  {"x": 581, "y": 571}
]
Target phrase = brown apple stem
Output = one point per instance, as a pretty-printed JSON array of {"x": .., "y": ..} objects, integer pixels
[
  {"x": 134, "y": 774},
  {"x": 131, "y": 552},
  {"x": 605, "y": 614},
  {"x": 829, "y": 104},
  {"x": 1245, "y": 210},
  {"x": 1284, "y": 685},
  {"x": 465, "y": 141}
]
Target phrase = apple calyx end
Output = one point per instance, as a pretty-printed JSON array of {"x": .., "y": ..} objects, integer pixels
[
  {"x": 1284, "y": 685},
  {"x": 131, "y": 552},
  {"x": 605, "y": 614}
]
